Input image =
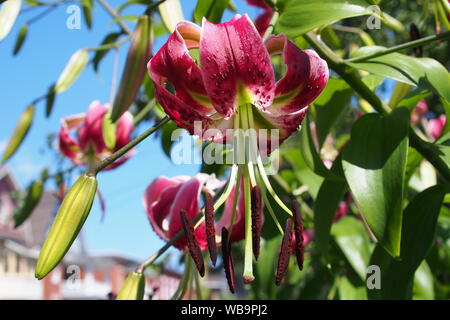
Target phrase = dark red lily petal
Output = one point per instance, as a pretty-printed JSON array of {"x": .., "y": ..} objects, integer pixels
[
  {"x": 233, "y": 59},
  {"x": 194, "y": 248},
  {"x": 285, "y": 250},
  {"x": 256, "y": 205},
  {"x": 210, "y": 230},
  {"x": 298, "y": 229},
  {"x": 228, "y": 259},
  {"x": 305, "y": 78}
]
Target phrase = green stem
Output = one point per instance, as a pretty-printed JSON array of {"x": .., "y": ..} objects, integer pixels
[
  {"x": 164, "y": 248},
  {"x": 106, "y": 162},
  {"x": 114, "y": 14},
  {"x": 403, "y": 46},
  {"x": 235, "y": 201},
  {"x": 362, "y": 90},
  {"x": 114, "y": 45},
  {"x": 141, "y": 114}
]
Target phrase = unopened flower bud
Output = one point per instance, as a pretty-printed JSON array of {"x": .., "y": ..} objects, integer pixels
[
  {"x": 133, "y": 288},
  {"x": 68, "y": 222}
]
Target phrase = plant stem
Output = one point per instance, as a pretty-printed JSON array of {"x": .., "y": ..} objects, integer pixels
[
  {"x": 141, "y": 114},
  {"x": 360, "y": 87},
  {"x": 114, "y": 14},
  {"x": 106, "y": 162},
  {"x": 164, "y": 248},
  {"x": 403, "y": 46}
]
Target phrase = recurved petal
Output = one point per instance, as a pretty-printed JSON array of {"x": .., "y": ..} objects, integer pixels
[
  {"x": 306, "y": 76},
  {"x": 158, "y": 213},
  {"x": 90, "y": 133},
  {"x": 173, "y": 64},
  {"x": 69, "y": 146}
]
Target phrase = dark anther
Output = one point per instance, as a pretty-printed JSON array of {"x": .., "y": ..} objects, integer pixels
[
  {"x": 298, "y": 229},
  {"x": 210, "y": 230},
  {"x": 192, "y": 243},
  {"x": 256, "y": 219},
  {"x": 285, "y": 253},
  {"x": 228, "y": 259}
]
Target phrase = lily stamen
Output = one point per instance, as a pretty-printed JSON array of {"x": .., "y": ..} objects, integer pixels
[{"x": 192, "y": 243}]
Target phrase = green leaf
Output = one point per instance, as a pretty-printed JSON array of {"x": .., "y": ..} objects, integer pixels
[
  {"x": 303, "y": 173},
  {"x": 87, "y": 6},
  {"x": 351, "y": 237},
  {"x": 301, "y": 16},
  {"x": 330, "y": 194},
  {"x": 100, "y": 54},
  {"x": 374, "y": 164},
  {"x": 423, "y": 283},
  {"x": 210, "y": 9},
  {"x": 423, "y": 72},
  {"x": 310, "y": 154},
  {"x": 8, "y": 14},
  {"x": 20, "y": 39},
  {"x": 418, "y": 230},
  {"x": 329, "y": 105},
  {"x": 50, "y": 100},
  {"x": 348, "y": 291}
]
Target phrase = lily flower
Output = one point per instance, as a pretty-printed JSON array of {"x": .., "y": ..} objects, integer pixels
[
  {"x": 232, "y": 86},
  {"x": 89, "y": 145},
  {"x": 165, "y": 198}
]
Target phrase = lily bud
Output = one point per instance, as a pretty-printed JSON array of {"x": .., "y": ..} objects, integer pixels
[
  {"x": 21, "y": 130},
  {"x": 68, "y": 222},
  {"x": 34, "y": 195},
  {"x": 76, "y": 64},
  {"x": 8, "y": 14},
  {"x": 133, "y": 288},
  {"x": 134, "y": 71}
]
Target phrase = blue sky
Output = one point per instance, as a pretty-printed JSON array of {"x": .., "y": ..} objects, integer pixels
[{"x": 23, "y": 78}]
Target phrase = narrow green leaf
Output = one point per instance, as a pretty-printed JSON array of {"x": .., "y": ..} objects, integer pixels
[
  {"x": 20, "y": 39},
  {"x": 87, "y": 6},
  {"x": 374, "y": 164},
  {"x": 100, "y": 54},
  {"x": 32, "y": 198}
]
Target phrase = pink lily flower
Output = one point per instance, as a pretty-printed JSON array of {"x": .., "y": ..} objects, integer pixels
[
  {"x": 235, "y": 71},
  {"x": 262, "y": 22},
  {"x": 436, "y": 126},
  {"x": 165, "y": 197},
  {"x": 419, "y": 111},
  {"x": 89, "y": 146}
]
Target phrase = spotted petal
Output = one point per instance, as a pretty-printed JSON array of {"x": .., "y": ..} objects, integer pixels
[
  {"x": 235, "y": 65},
  {"x": 306, "y": 76}
]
